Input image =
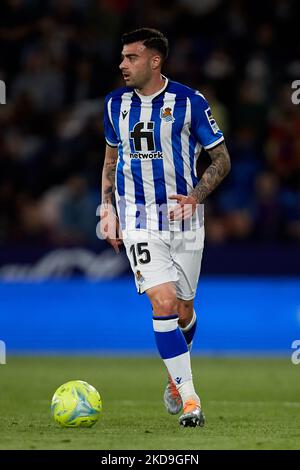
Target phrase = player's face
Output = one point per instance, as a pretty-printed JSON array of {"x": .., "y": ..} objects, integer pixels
[{"x": 137, "y": 64}]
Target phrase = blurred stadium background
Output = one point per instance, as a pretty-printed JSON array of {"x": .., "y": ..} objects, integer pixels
[{"x": 61, "y": 288}]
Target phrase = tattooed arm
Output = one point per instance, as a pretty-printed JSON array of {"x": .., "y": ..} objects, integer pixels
[
  {"x": 211, "y": 178},
  {"x": 109, "y": 222},
  {"x": 108, "y": 175},
  {"x": 214, "y": 174}
]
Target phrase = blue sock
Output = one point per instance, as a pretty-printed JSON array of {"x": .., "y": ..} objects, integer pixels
[{"x": 189, "y": 331}]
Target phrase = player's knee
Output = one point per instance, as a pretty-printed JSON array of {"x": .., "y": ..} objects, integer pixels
[{"x": 164, "y": 306}]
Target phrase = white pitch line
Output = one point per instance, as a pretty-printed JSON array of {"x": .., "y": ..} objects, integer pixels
[{"x": 295, "y": 404}]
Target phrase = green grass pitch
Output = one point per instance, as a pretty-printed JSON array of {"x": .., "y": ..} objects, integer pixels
[{"x": 248, "y": 403}]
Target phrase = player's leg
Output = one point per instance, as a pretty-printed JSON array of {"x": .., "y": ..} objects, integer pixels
[
  {"x": 167, "y": 302},
  {"x": 186, "y": 250},
  {"x": 187, "y": 320},
  {"x": 172, "y": 345},
  {"x": 187, "y": 324},
  {"x": 158, "y": 270}
]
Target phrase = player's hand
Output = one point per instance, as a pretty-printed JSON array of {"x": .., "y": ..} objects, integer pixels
[
  {"x": 110, "y": 227},
  {"x": 184, "y": 209}
]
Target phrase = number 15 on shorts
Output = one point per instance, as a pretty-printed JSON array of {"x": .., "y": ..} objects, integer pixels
[{"x": 140, "y": 253}]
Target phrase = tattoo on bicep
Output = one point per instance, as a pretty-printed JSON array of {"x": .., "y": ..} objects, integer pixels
[{"x": 214, "y": 174}]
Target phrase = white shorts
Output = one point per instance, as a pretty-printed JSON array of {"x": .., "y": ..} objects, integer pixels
[{"x": 159, "y": 257}]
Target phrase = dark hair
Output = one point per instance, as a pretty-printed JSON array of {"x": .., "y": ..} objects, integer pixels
[{"x": 151, "y": 38}]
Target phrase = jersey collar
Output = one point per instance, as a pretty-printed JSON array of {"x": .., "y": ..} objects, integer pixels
[{"x": 151, "y": 97}]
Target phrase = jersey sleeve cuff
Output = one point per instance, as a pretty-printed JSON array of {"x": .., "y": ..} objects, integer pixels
[
  {"x": 111, "y": 144},
  {"x": 214, "y": 144}
]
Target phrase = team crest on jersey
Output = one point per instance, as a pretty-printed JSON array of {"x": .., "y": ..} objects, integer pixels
[{"x": 166, "y": 115}]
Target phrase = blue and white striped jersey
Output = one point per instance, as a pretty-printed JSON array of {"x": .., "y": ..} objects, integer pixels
[{"x": 159, "y": 138}]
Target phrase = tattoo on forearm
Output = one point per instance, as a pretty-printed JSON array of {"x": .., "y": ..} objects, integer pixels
[
  {"x": 109, "y": 195},
  {"x": 215, "y": 173},
  {"x": 109, "y": 172}
]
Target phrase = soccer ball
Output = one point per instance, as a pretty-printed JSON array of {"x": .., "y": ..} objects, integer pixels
[{"x": 76, "y": 403}]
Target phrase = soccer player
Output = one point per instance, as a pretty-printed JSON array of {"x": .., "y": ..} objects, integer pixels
[{"x": 155, "y": 129}]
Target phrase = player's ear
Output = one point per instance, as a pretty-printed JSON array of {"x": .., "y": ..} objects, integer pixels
[{"x": 156, "y": 62}]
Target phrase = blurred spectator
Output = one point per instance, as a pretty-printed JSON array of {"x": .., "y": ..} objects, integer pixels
[
  {"x": 267, "y": 209},
  {"x": 41, "y": 80},
  {"x": 77, "y": 216}
]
